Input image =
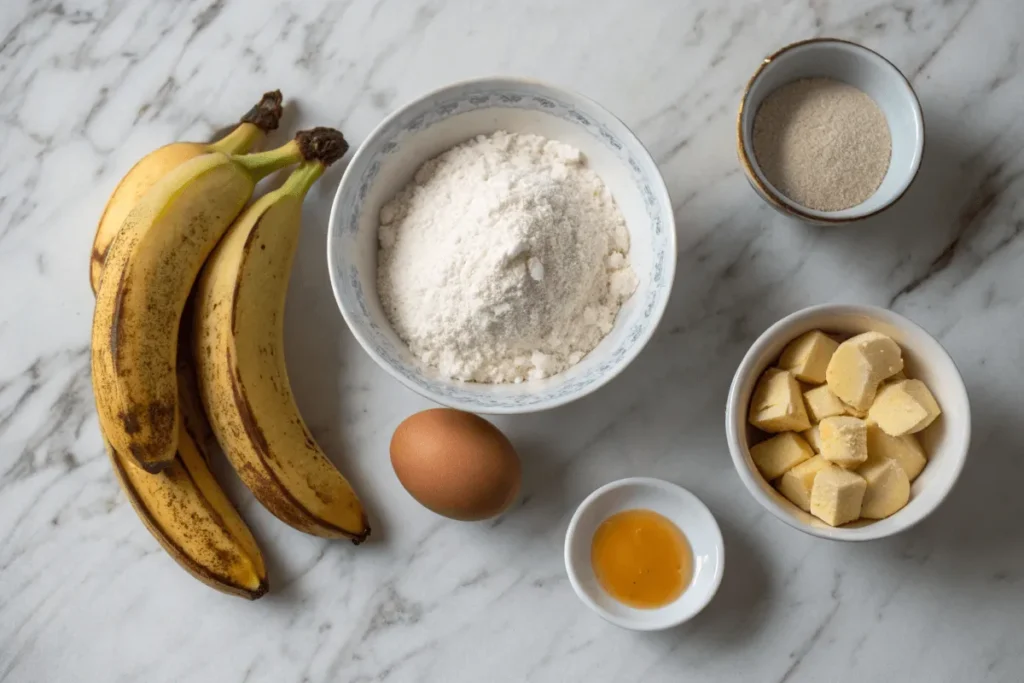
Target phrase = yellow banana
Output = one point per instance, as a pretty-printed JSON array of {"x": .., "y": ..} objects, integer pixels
[
  {"x": 238, "y": 346},
  {"x": 188, "y": 513},
  {"x": 184, "y": 507},
  {"x": 147, "y": 276},
  {"x": 258, "y": 121}
]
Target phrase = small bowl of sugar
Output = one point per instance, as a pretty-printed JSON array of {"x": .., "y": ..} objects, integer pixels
[{"x": 829, "y": 131}]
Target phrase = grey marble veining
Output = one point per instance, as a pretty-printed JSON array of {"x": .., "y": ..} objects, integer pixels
[{"x": 88, "y": 87}]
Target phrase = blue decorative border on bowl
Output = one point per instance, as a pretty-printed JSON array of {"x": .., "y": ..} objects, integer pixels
[{"x": 469, "y": 97}]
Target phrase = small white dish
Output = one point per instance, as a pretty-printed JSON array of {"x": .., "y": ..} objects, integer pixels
[
  {"x": 862, "y": 68},
  {"x": 680, "y": 506},
  {"x": 439, "y": 120},
  {"x": 945, "y": 442}
]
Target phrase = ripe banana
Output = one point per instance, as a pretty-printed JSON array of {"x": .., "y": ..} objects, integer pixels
[
  {"x": 147, "y": 276},
  {"x": 161, "y": 500},
  {"x": 259, "y": 120},
  {"x": 183, "y": 506},
  {"x": 239, "y": 340},
  {"x": 188, "y": 513}
]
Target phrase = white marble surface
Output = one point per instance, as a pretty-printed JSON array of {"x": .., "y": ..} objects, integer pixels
[{"x": 86, "y": 594}]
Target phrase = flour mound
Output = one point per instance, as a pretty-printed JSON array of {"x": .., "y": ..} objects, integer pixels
[{"x": 505, "y": 259}]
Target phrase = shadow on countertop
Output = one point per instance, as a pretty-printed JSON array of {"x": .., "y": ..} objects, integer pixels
[
  {"x": 976, "y": 535},
  {"x": 740, "y": 608}
]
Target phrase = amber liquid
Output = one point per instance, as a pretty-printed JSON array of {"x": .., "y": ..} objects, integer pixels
[{"x": 641, "y": 558}]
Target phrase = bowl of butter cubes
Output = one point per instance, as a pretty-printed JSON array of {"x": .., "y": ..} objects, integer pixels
[{"x": 848, "y": 422}]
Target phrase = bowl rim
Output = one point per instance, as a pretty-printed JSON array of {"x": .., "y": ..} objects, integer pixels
[
  {"x": 658, "y": 186},
  {"x": 737, "y": 452},
  {"x": 674, "y": 489},
  {"x": 790, "y": 207}
]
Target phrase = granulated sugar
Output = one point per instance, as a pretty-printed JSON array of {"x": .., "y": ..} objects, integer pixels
[
  {"x": 505, "y": 259},
  {"x": 822, "y": 143}
]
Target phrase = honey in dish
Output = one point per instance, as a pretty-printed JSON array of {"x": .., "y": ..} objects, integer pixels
[{"x": 641, "y": 558}]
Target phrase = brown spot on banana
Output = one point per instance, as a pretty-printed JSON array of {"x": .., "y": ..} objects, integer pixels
[
  {"x": 130, "y": 421},
  {"x": 161, "y": 415},
  {"x": 238, "y": 282},
  {"x": 245, "y": 414},
  {"x": 322, "y": 496},
  {"x": 268, "y": 491},
  {"x": 140, "y": 454},
  {"x": 115, "y": 319}
]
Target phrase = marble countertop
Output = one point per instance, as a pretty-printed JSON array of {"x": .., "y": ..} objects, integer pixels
[{"x": 89, "y": 86}]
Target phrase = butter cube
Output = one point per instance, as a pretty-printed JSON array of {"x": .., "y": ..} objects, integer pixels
[
  {"x": 844, "y": 440},
  {"x": 777, "y": 405},
  {"x": 822, "y": 403},
  {"x": 888, "y": 488},
  {"x": 836, "y": 495},
  {"x": 796, "y": 484},
  {"x": 905, "y": 450},
  {"x": 779, "y": 454},
  {"x": 813, "y": 438},
  {"x": 859, "y": 365},
  {"x": 904, "y": 407},
  {"x": 808, "y": 355}
]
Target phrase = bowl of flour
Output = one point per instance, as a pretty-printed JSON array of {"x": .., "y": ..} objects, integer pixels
[{"x": 502, "y": 246}]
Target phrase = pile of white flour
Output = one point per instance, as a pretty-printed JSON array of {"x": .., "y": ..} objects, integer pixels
[{"x": 505, "y": 259}]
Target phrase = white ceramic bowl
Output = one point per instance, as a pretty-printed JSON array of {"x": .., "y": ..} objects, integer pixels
[
  {"x": 862, "y": 68},
  {"x": 677, "y": 504},
  {"x": 946, "y": 441},
  {"x": 436, "y": 122}
]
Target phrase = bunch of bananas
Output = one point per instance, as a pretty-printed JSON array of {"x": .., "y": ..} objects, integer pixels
[{"x": 187, "y": 348}]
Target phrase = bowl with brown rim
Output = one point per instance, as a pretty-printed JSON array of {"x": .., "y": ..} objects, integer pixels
[{"x": 863, "y": 69}]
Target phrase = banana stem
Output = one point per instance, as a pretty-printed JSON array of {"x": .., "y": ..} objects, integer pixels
[
  {"x": 262, "y": 118},
  {"x": 238, "y": 141},
  {"x": 267, "y": 112},
  {"x": 325, "y": 145},
  {"x": 302, "y": 178},
  {"x": 263, "y": 164}
]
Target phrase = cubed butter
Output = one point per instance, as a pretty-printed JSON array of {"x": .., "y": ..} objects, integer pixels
[
  {"x": 808, "y": 355},
  {"x": 796, "y": 484},
  {"x": 859, "y": 365},
  {"x": 777, "y": 455},
  {"x": 888, "y": 488},
  {"x": 836, "y": 495},
  {"x": 844, "y": 440},
  {"x": 777, "y": 404},
  {"x": 822, "y": 403},
  {"x": 905, "y": 450},
  {"x": 904, "y": 407},
  {"x": 813, "y": 438}
]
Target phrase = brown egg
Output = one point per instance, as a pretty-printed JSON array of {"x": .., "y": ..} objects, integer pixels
[{"x": 457, "y": 464}]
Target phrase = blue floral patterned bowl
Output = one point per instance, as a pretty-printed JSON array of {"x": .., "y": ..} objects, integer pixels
[{"x": 438, "y": 121}]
